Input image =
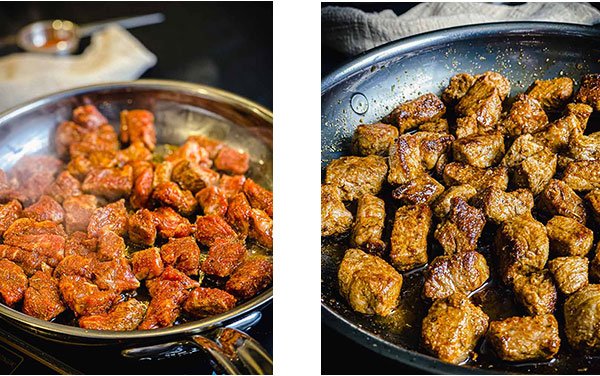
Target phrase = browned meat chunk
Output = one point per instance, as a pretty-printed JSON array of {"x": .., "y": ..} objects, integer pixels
[
  {"x": 138, "y": 125},
  {"x": 518, "y": 339},
  {"x": 142, "y": 229},
  {"x": 479, "y": 150},
  {"x": 457, "y": 88},
  {"x": 223, "y": 258},
  {"x": 147, "y": 264},
  {"x": 13, "y": 282},
  {"x": 584, "y": 147},
  {"x": 531, "y": 164},
  {"x": 88, "y": 116},
  {"x": 335, "y": 218},
  {"x": 76, "y": 265},
  {"x": 162, "y": 173},
  {"x": 45, "y": 209},
  {"x": 525, "y": 116},
  {"x": 28, "y": 260},
  {"x": 441, "y": 207},
  {"x": 438, "y": 126},
  {"x": 169, "y": 224},
  {"x": 261, "y": 198},
  {"x": 467, "y": 126},
  {"x": 42, "y": 298},
  {"x": 239, "y": 211},
  {"x": 212, "y": 200},
  {"x": 367, "y": 229},
  {"x": 422, "y": 190},
  {"x": 232, "y": 161},
  {"x": 112, "y": 217},
  {"x": 261, "y": 228},
  {"x": 78, "y": 211},
  {"x": 122, "y": 317},
  {"x": 66, "y": 134},
  {"x": 183, "y": 254},
  {"x": 500, "y": 206},
  {"x": 452, "y": 328},
  {"x": 83, "y": 297},
  {"x": 536, "y": 292},
  {"x": 211, "y": 145},
  {"x": 589, "y": 91},
  {"x": 582, "y": 315},
  {"x": 231, "y": 185},
  {"x": 171, "y": 195},
  {"x": 570, "y": 273},
  {"x": 110, "y": 183},
  {"x": 483, "y": 100},
  {"x": 408, "y": 244},
  {"x": 374, "y": 139},
  {"x": 462, "y": 272},
  {"x": 461, "y": 230},
  {"x": 559, "y": 199},
  {"x": 593, "y": 200},
  {"x": 253, "y": 275},
  {"x": 64, "y": 186},
  {"x": 115, "y": 275},
  {"x": 192, "y": 176},
  {"x": 110, "y": 246},
  {"x": 210, "y": 228},
  {"x": 204, "y": 301},
  {"x": 46, "y": 238},
  {"x": 582, "y": 176},
  {"x": 522, "y": 247},
  {"x": 552, "y": 94},
  {"x": 557, "y": 134},
  {"x": 569, "y": 237},
  {"x": 457, "y": 173},
  {"x": 354, "y": 176},
  {"x": 141, "y": 192},
  {"x": 8, "y": 214},
  {"x": 191, "y": 151},
  {"x": 80, "y": 243},
  {"x": 409, "y": 115}
]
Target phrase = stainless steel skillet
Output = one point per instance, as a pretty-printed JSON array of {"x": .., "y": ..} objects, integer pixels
[
  {"x": 181, "y": 109},
  {"x": 370, "y": 86}
]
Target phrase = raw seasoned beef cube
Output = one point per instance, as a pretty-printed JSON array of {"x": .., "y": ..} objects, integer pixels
[
  {"x": 204, "y": 301},
  {"x": 559, "y": 199},
  {"x": 589, "y": 91},
  {"x": 110, "y": 246},
  {"x": 88, "y": 116},
  {"x": 232, "y": 161},
  {"x": 13, "y": 282},
  {"x": 261, "y": 198},
  {"x": 522, "y": 247},
  {"x": 138, "y": 125},
  {"x": 147, "y": 264},
  {"x": 124, "y": 316},
  {"x": 569, "y": 237},
  {"x": 183, "y": 254},
  {"x": 570, "y": 273},
  {"x": 552, "y": 94},
  {"x": 536, "y": 292},
  {"x": 46, "y": 238},
  {"x": 452, "y": 328},
  {"x": 525, "y": 116},
  {"x": 261, "y": 228},
  {"x": 78, "y": 211},
  {"x": 483, "y": 100},
  {"x": 9, "y": 213},
  {"x": 45, "y": 209},
  {"x": 368, "y": 226},
  {"x": 457, "y": 173},
  {"x": 462, "y": 272},
  {"x": 115, "y": 275},
  {"x": 354, "y": 176},
  {"x": 210, "y": 228},
  {"x": 479, "y": 150},
  {"x": 253, "y": 275},
  {"x": 80, "y": 243},
  {"x": 170, "y": 194},
  {"x": 111, "y": 217},
  {"x": 422, "y": 190},
  {"x": 34, "y": 174},
  {"x": 374, "y": 139},
  {"x": 76, "y": 265},
  {"x": 457, "y": 88},
  {"x": 239, "y": 210},
  {"x": 369, "y": 284},
  {"x": 193, "y": 177},
  {"x": 500, "y": 206},
  {"x": 169, "y": 224},
  {"x": 461, "y": 230},
  {"x": 64, "y": 186},
  {"x": 518, "y": 339},
  {"x": 83, "y": 297},
  {"x": 42, "y": 298},
  {"x": 143, "y": 176},
  {"x": 582, "y": 176},
  {"x": 66, "y": 134},
  {"x": 408, "y": 244},
  {"x": 109, "y": 183},
  {"x": 212, "y": 200},
  {"x": 335, "y": 218},
  {"x": 593, "y": 200},
  {"x": 582, "y": 319},
  {"x": 223, "y": 258},
  {"x": 142, "y": 229},
  {"x": 409, "y": 115},
  {"x": 442, "y": 205}
]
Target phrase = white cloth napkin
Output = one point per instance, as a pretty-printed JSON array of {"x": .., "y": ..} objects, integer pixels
[
  {"x": 352, "y": 31},
  {"x": 113, "y": 55}
]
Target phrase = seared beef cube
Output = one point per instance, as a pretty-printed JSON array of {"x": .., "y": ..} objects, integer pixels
[
  {"x": 536, "y": 292},
  {"x": 115, "y": 275},
  {"x": 581, "y": 111},
  {"x": 231, "y": 185},
  {"x": 355, "y": 176},
  {"x": 183, "y": 254},
  {"x": 457, "y": 173},
  {"x": 461, "y": 230},
  {"x": 408, "y": 244},
  {"x": 593, "y": 199},
  {"x": 110, "y": 183},
  {"x": 143, "y": 175},
  {"x": 452, "y": 328},
  {"x": 483, "y": 100},
  {"x": 374, "y": 139},
  {"x": 253, "y": 275},
  {"x": 35, "y": 174},
  {"x": 518, "y": 339},
  {"x": 525, "y": 116},
  {"x": 582, "y": 176},
  {"x": 147, "y": 264},
  {"x": 261, "y": 228},
  {"x": 142, "y": 229},
  {"x": 42, "y": 298},
  {"x": 111, "y": 217},
  {"x": 29, "y": 261},
  {"x": 88, "y": 116},
  {"x": 467, "y": 126},
  {"x": 211, "y": 145},
  {"x": 441, "y": 207},
  {"x": 522, "y": 247},
  {"x": 136, "y": 152},
  {"x": 223, "y": 257},
  {"x": 570, "y": 273},
  {"x": 65, "y": 185},
  {"x": 171, "y": 195},
  {"x": 45, "y": 209},
  {"x": 589, "y": 91},
  {"x": 80, "y": 243},
  {"x": 335, "y": 218},
  {"x": 462, "y": 272},
  {"x": 13, "y": 282},
  {"x": 584, "y": 147},
  {"x": 124, "y": 316},
  {"x": 212, "y": 200},
  {"x": 559, "y": 199},
  {"x": 8, "y": 214},
  {"x": 204, "y": 301},
  {"x": 438, "y": 126},
  {"x": 479, "y": 150},
  {"x": 232, "y": 161},
  {"x": 168, "y": 277},
  {"x": 569, "y": 237},
  {"x": 500, "y": 206},
  {"x": 210, "y": 228},
  {"x": 552, "y": 94},
  {"x": 409, "y": 115},
  {"x": 368, "y": 226},
  {"x": 162, "y": 173},
  {"x": 457, "y": 88},
  {"x": 191, "y": 151},
  {"x": 66, "y": 134},
  {"x": 104, "y": 138},
  {"x": 169, "y": 224},
  {"x": 76, "y": 265},
  {"x": 422, "y": 190},
  {"x": 531, "y": 164},
  {"x": 192, "y": 176},
  {"x": 83, "y": 297},
  {"x": 46, "y": 238},
  {"x": 138, "y": 125},
  {"x": 582, "y": 317},
  {"x": 557, "y": 134},
  {"x": 261, "y": 198},
  {"x": 110, "y": 246}
]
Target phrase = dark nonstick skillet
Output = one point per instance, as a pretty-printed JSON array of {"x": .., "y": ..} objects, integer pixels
[{"x": 370, "y": 86}]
